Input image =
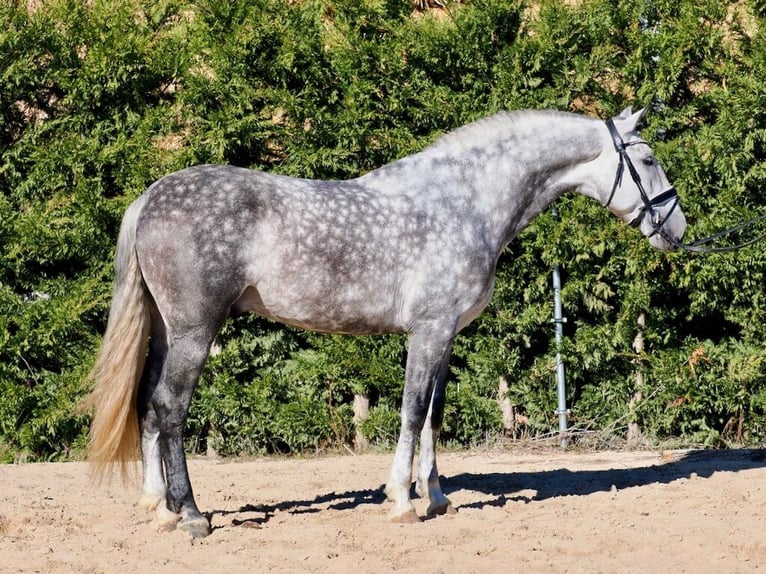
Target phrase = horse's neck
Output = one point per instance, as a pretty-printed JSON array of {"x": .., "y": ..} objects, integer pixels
[
  {"x": 509, "y": 167},
  {"x": 555, "y": 159}
]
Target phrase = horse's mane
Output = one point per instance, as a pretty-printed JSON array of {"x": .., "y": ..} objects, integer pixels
[{"x": 502, "y": 122}]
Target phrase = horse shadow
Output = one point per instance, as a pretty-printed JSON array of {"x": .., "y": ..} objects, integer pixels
[
  {"x": 515, "y": 486},
  {"x": 337, "y": 501}
]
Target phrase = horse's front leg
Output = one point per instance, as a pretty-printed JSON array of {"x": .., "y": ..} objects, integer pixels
[
  {"x": 427, "y": 360},
  {"x": 428, "y": 475}
]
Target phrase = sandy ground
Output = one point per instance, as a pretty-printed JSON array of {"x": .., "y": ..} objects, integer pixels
[{"x": 518, "y": 511}]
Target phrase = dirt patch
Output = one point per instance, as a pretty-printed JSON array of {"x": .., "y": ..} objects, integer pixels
[{"x": 517, "y": 512}]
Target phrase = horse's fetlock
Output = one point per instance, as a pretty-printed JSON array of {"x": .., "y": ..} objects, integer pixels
[
  {"x": 150, "y": 500},
  {"x": 440, "y": 508},
  {"x": 166, "y": 520},
  {"x": 404, "y": 516}
]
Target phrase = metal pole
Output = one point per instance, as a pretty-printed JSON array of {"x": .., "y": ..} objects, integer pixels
[{"x": 558, "y": 321}]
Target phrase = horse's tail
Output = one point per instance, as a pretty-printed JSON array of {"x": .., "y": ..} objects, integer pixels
[{"x": 114, "y": 433}]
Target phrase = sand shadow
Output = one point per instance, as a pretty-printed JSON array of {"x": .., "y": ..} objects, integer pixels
[
  {"x": 564, "y": 482},
  {"x": 508, "y": 486},
  {"x": 329, "y": 501}
]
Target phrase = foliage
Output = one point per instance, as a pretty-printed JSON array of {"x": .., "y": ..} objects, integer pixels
[{"x": 98, "y": 99}]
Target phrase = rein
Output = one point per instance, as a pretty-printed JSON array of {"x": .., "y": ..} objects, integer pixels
[
  {"x": 670, "y": 194},
  {"x": 698, "y": 245}
]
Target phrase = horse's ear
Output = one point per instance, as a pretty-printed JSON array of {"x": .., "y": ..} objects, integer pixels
[
  {"x": 628, "y": 121},
  {"x": 626, "y": 113},
  {"x": 640, "y": 116}
]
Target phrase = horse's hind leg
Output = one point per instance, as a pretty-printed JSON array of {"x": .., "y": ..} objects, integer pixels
[
  {"x": 185, "y": 358},
  {"x": 427, "y": 360},
  {"x": 428, "y": 476},
  {"x": 154, "y": 489}
]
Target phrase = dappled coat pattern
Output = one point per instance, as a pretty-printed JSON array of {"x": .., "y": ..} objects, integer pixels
[{"x": 410, "y": 247}]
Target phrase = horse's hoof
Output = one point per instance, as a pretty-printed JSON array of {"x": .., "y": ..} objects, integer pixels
[
  {"x": 195, "y": 527},
  {"x": 406, "y": 517},
  {"x": 165, "y": 521},
  {"x": 440, "y": 509}
]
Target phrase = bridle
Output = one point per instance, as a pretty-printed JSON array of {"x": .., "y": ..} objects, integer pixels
[{"x": 650, "y": 204}]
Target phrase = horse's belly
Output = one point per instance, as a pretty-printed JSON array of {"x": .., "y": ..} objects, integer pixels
[{"x": 328, "y": 313}]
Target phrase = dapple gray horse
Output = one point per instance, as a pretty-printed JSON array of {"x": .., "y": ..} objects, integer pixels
[{"x": 407, "y": 248}]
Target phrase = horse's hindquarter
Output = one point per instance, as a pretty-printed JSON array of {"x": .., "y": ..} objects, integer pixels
[{"x": 188, "y": 235}]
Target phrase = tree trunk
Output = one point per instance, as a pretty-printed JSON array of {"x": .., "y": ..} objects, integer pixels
[
  {"x": 635, "y": 436},
  {"x": 361, "y": 410},
  {"x": 506, "y": 407}
]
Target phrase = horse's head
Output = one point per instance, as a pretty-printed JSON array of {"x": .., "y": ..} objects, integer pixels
[{"x": 640, "y": 192}]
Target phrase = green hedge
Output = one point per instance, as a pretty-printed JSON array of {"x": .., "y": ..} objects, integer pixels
[{"x": 98, "y": 99}]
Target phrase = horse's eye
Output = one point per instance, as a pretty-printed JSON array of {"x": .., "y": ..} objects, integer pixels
[{"x": 649, "y": 161}]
